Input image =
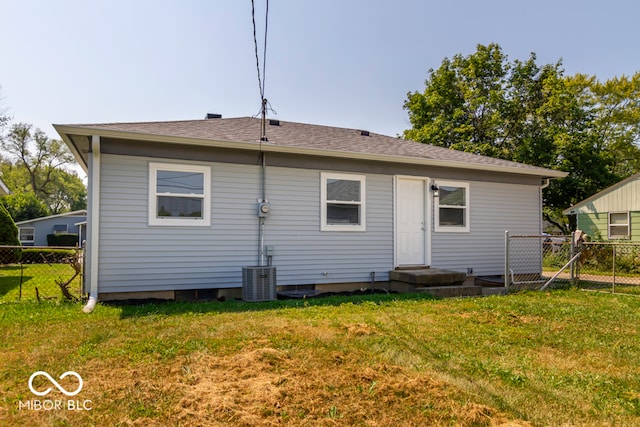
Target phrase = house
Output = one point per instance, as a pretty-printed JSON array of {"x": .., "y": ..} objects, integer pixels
[
  {"x": 33, "y": 232},
  {"x": 613, "y": 213},
  {"x": 183, "y": 206},
  {"x": 3, "y": 189}
]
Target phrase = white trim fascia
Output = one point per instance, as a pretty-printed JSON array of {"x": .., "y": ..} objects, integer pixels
[
  {"x": 72, "y": 147},
  {"x": 273, "y": 148},
  {"x": 79, "y": 213}
]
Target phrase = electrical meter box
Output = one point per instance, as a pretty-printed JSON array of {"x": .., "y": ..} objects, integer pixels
[{"x": 264, "y": 208}]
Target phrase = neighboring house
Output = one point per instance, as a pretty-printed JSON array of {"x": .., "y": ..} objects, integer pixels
[
  {"x": 34, "y": 232},
  {"x": 613, "y": 213},
  {"x": 3, "y": 189},
  {"x": 174, "y": 206}
]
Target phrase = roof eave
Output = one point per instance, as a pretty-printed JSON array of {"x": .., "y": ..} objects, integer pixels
[
  {"x": 66, "y": 130},
  {"x": 64, "y": 134},
  {"x": 571, "y": 210}
]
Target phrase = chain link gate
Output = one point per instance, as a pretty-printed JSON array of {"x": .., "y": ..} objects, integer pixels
[
  {"x": 536, "y": 261},
  {"x": 540, "y": 261}
]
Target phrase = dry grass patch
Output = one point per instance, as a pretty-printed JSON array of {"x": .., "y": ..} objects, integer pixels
[
  {"x": 563, "y": 358},
  {"x": 261, "y": 385}
]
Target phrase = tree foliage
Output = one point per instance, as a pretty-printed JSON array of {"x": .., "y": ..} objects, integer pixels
[
  {"x": 23, "y": 206},
  {"x": 8, "y": 229},
  {"x": 40, "y": 165},
  {"x": 521, "y": 111},
  {"x": 9, "y": 237}
]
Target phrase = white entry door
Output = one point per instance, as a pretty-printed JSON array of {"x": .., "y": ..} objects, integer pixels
[{"x": 410, "y": 221}]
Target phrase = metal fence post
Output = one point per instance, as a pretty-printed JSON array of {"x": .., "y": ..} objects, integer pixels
[
  {"x": 613, "y": 286},
  {"x": 506, "y": 260},
  {"x": 572, "y": 254}
]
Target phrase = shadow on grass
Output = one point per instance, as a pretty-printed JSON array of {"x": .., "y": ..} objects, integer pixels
[
  {"x": 142, "y": 308},
  {"x": 10, "y": 278}
]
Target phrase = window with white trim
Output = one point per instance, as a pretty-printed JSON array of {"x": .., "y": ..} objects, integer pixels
[
  {"x": 60, "y": 229},
  {"x": 179, "y": 194},
  {"x": 451, "y": 206},
  {"x": 27, "y": 234},
  {"x": 619, "y": 225},
  {"x": 342, "y": 202}
]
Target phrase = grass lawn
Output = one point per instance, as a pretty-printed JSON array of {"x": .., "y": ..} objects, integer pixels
[
  {"x": 42, "y": 276},
  {"x": 534, "y": 358}
]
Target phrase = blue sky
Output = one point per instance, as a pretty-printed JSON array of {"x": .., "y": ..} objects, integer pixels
[{"x": 347, "y": 63}]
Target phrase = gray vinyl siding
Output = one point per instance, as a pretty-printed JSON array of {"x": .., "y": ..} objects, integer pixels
[
  {"x": 494, "y": 208},
  {"x": 137, "y": 257},
  {"x": 305, "y": 255}
]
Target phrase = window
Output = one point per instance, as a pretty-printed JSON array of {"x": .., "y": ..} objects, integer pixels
[
  {"x": 60, "y": 229},
  {"x": 619, "y": 225},
  {"x": 27, "y": 234},
  {"x": 452, "y": 206},
  {"x": 179, "y": 194},
  {"x": 343, "y": 202}
]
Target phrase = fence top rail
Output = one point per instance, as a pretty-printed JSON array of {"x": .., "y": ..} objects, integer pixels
[
  {"x": 538, "y": 236},
  {"x": 608, "y": 243},
  {"x": 40, "y": 247}
]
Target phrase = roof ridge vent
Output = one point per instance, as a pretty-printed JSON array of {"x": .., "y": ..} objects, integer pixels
[
  {"x": 274, "y": 122},
  {"x": 213, "y": 116},
  {"x": 364, "y": 132}
]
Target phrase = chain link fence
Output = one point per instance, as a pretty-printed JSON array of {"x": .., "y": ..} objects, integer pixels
[
  {"x": 610, "y": 266},
  {"x": 40, "y": 273},
  {"x": 541, "y": 261}
]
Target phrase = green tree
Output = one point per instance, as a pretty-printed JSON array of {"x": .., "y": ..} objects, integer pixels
[
  {"x": 615, "y": 105},
  {"x": 41, "y": 165},
  {"x": 462, "y": 104},
  {"x": 23, "y": 206},
  {"x": 9, "y": 237},
  {"x": 520, "y": 111}
]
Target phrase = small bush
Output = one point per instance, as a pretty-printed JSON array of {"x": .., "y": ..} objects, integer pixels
[
  {"x": 62, "y": 240},
  {"x": 8, "y": 237}
]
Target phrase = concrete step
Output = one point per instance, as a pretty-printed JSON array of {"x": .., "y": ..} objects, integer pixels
[{"x": 428, "y": 277}]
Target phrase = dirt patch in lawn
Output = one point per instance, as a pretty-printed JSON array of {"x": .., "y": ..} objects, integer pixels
[{"x": 265, "y": 386}]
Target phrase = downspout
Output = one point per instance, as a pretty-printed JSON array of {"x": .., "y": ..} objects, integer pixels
[
  {"x": 93, "y": 224},
  {"x": 545, "y": 184}
]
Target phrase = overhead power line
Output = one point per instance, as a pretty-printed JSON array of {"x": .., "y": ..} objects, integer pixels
[{"x": 261, "y": 76}]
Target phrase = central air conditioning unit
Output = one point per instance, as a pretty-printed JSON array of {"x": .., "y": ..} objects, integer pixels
[{"x": 259, "y": 284}]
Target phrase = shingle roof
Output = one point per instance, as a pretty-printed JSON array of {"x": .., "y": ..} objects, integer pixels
[{"x": 247, "y": 130}]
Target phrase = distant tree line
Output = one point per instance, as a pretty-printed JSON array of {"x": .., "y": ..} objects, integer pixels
[
  {"x": 38, "y": 171},
  {"x": 535, "y": 114}
]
